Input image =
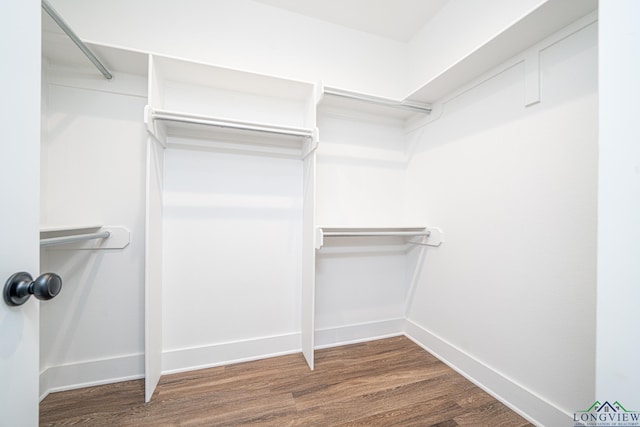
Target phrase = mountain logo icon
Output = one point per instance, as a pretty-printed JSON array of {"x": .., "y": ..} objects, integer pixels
[{"x": 604, "y": 414}]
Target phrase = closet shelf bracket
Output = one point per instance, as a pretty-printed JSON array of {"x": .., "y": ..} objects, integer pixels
[
  {"x": 310, "y": 144},
  {"x": 435, "y": 238}
]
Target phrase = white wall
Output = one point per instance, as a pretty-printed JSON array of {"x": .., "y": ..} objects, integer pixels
[
  {"x": 361, "y": 171},
  {"x": 94, "y": 165},
  {"x": 245, "y": 35},
  {"x": 510, "y": 296},
  {"x": 618, "y": 349},
  {"x": 232, "y": 245}
]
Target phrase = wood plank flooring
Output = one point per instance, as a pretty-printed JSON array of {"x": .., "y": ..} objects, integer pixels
[{"x": 389, "y": 382}]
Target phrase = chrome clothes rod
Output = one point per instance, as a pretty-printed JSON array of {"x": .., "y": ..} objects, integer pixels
[
  {"x": 230, "y": 124},
  {"x": 374, "y": 233},
  {"x": 83, "y": 47},
  {"x": 75, "y": 238},
  {"x": 380, "y": 101}
]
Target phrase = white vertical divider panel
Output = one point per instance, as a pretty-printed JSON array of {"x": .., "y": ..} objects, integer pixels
[
  {"x": 308, "y": 232},
  {"x": 308, "y": 256},
  {"x": 153, "y": 251},
  {"x": 153, "y": 267}
]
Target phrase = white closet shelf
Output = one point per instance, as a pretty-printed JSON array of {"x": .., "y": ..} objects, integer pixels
[
  {"x": 172, "y": 71},
  {"x": 79, "y": 237},
  {"x": 548, "y": 18},
  {"x": 427, "y": 235}
]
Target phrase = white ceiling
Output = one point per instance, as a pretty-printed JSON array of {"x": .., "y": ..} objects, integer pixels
[{"x": 395, "y": 19}]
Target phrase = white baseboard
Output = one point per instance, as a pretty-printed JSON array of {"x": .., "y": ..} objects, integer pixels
[
  {"x": 106, "y": 371},
  {"x": 188, "y": 359},
  {"x": 98, "y": 372},
  {"x": 91, "y": 373},
  {"x": 521, "y": 400},
  {"x": 351, "y": 334}
]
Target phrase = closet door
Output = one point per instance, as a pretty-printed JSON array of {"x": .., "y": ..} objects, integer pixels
[
  {"x": 20, "y": 215},
  {"x": 153, "y": 267}
]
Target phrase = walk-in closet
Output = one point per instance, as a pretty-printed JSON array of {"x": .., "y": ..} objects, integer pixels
[{"x": 232, "y": 181}]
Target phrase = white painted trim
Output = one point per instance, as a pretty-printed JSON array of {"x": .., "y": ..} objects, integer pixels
[
  {"x": 189, "y": 359},
  {"x": 352, "y": 334},
  {"x": 91, "y": 373},
  {"x": 521, "y": 400}
]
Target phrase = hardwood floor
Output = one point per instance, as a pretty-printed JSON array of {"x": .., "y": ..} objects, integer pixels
[{"x": 390, "y": 382}]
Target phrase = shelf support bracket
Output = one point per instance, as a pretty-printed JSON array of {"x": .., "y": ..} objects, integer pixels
[
  {"x": 532, "y": 78},
  {"x": 311, "y": 144},
  {"x": 434, "y": 238}
]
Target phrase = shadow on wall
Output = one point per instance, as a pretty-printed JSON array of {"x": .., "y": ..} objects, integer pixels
[{"x": 62, "y": 317}]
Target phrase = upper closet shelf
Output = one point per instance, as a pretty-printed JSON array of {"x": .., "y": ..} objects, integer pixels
[
  {"x": 551, "y": 16},
  {"x": 429, "y": 236},
  {"x": 202, "y": 105}
]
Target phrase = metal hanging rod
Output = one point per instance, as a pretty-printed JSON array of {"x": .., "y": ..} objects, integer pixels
[
  {"x": 402, "y": 105},
  {"x": 374, "y": 233},
  {"x": 230, "y": 124},
  {"x": 74, "y": 238},
  {"x": 407, "y": 232},
  {"x": 83, "y": 47}
]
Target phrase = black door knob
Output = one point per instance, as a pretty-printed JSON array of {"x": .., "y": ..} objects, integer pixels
[{"x": 21, "y": 286}]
